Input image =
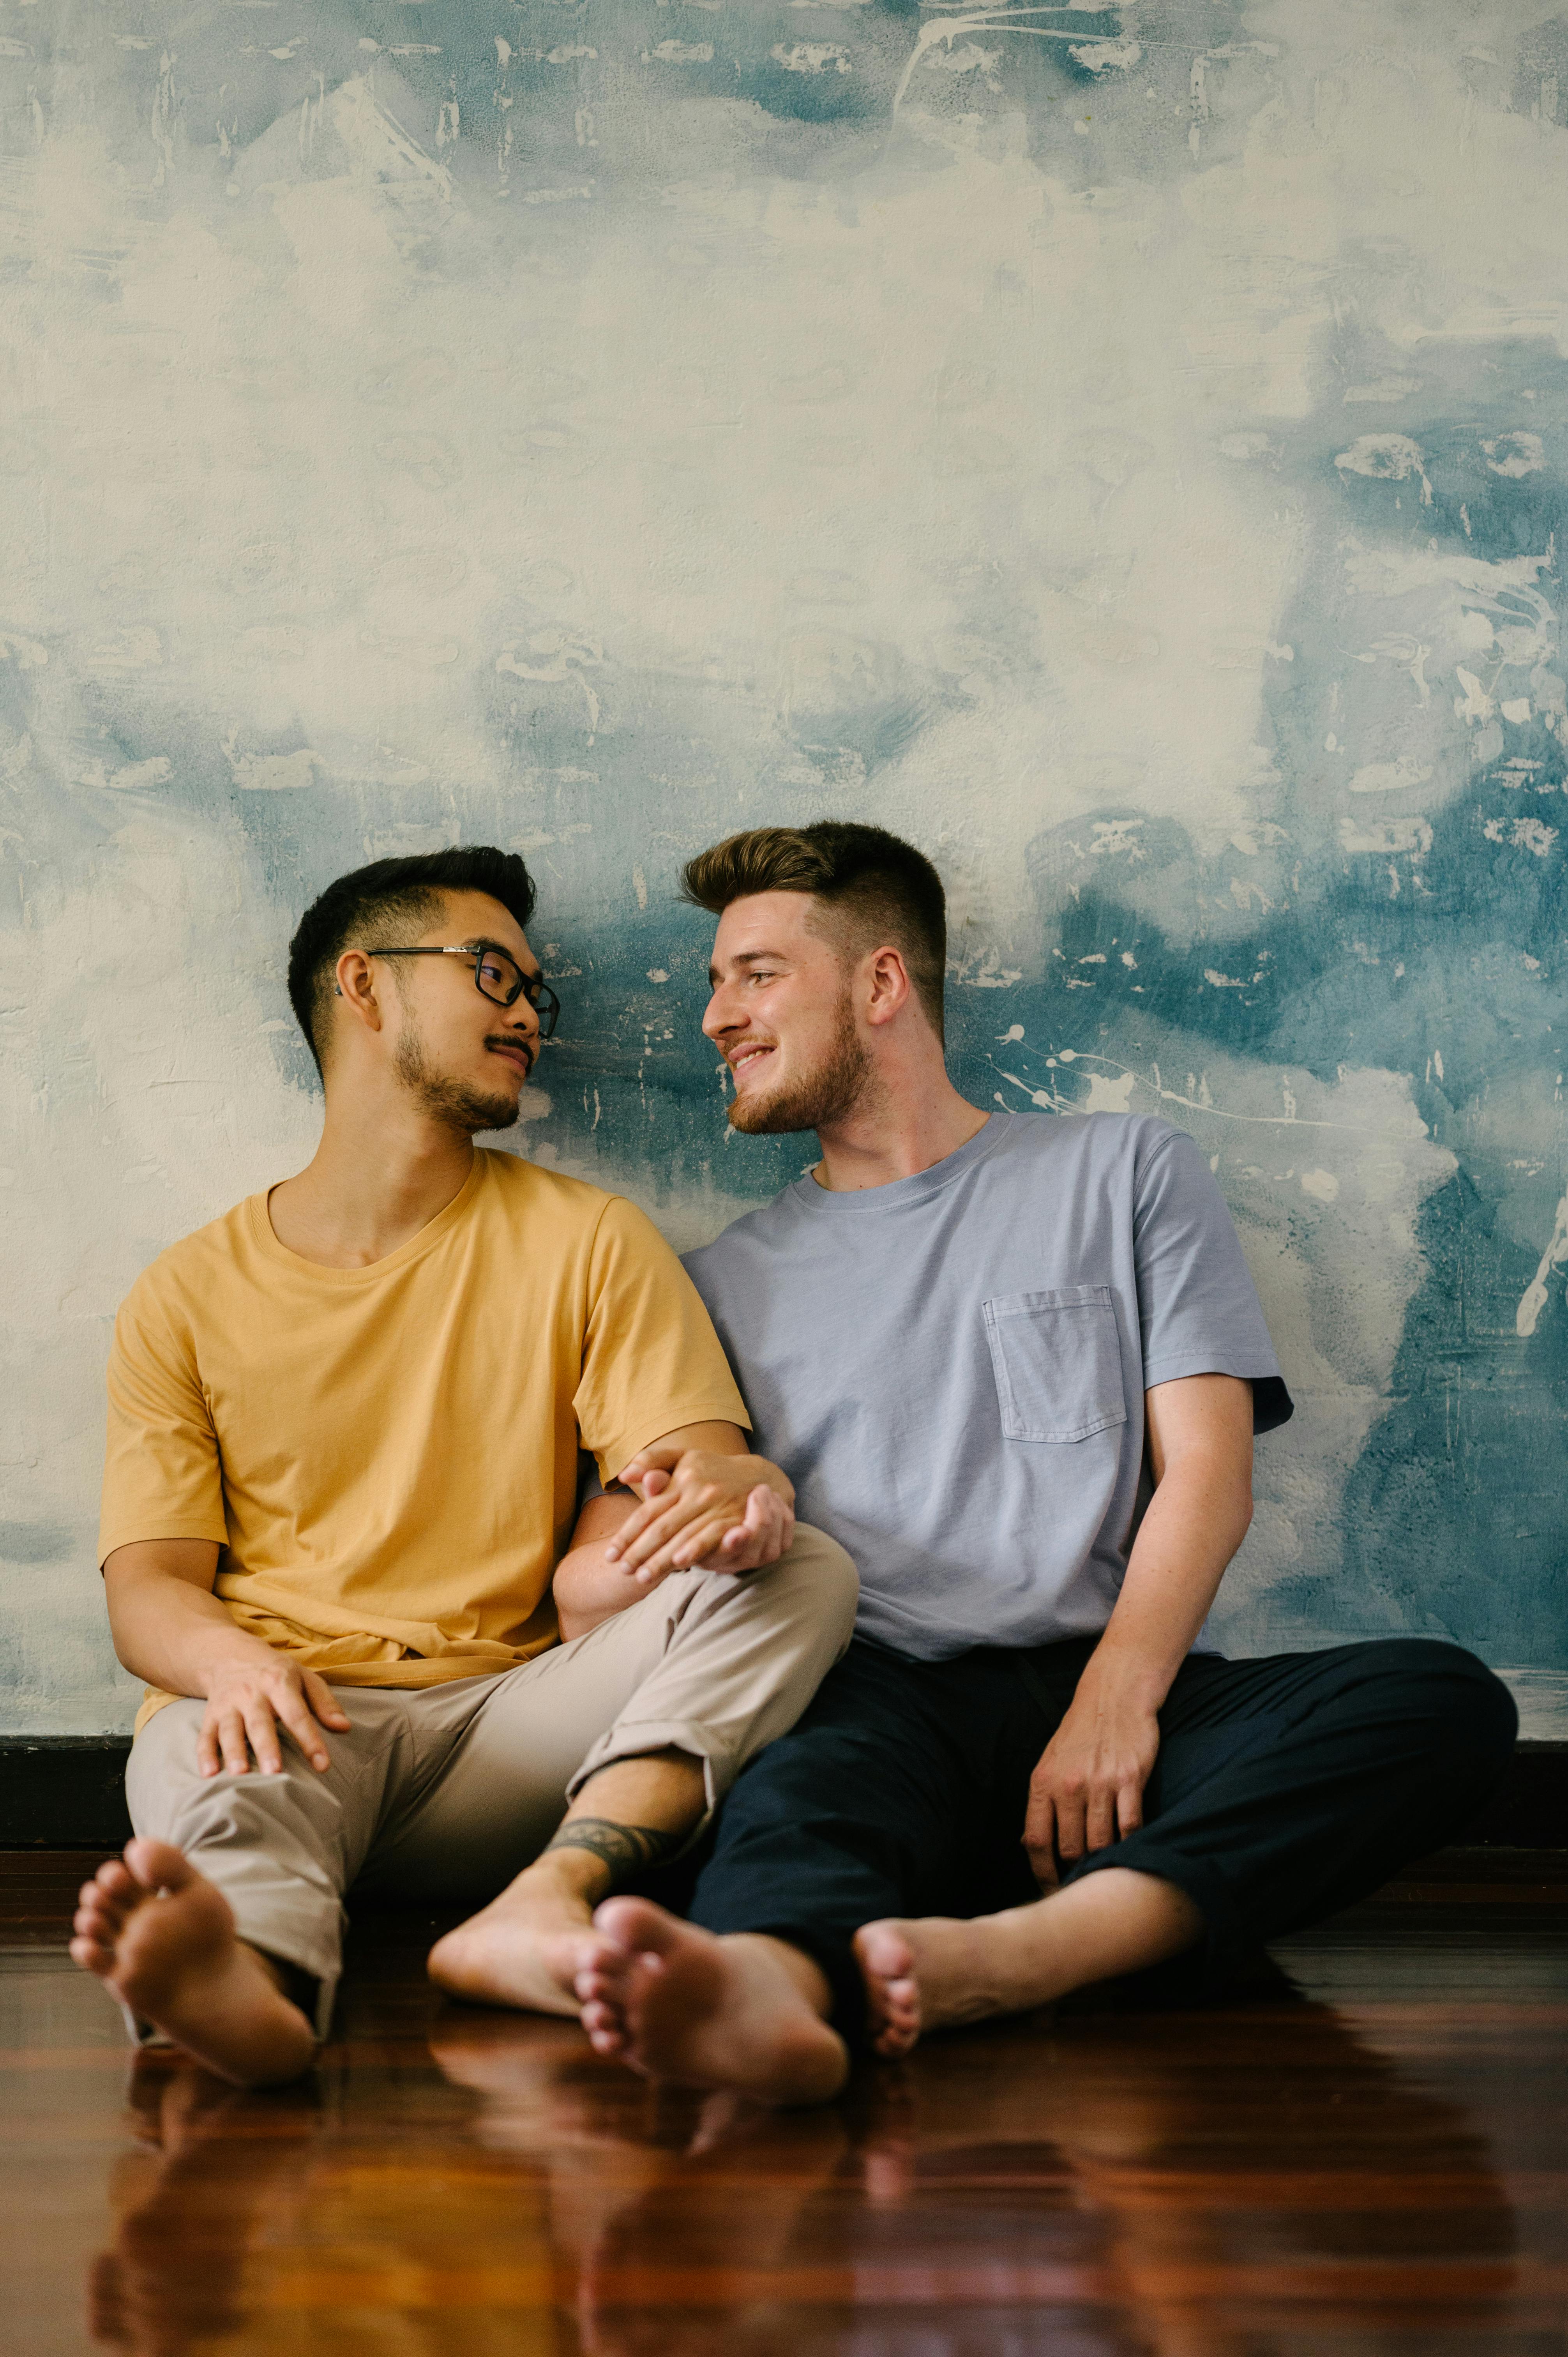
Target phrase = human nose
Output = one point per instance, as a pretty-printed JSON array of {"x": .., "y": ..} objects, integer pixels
[
  {"x": 524, "y": 1016},
  {"x": 721, "y": 1017}
]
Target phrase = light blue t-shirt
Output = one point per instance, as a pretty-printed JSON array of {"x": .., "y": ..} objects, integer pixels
[{"x": 951, "y": 1368}]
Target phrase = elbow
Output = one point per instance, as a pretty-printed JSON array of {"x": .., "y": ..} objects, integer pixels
[{"x": 1243, "y": 1519}]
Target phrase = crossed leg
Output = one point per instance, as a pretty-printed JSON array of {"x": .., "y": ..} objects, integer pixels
[
  {"x": 163, "y": 1939},
  {"x": 1292, "y": 1786},
  {"x": 531, "y": 1944},
  {"x": 445, "y": 1791},
  {"x": 749, "y": 2011}
]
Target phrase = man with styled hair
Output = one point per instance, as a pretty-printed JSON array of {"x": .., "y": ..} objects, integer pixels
[
  {"x": 341, "y": 1537},
  {"x": 1015, "y": 1364}
]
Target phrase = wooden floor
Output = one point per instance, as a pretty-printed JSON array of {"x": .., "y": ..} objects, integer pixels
[{"x": 1377, "y": 2163}]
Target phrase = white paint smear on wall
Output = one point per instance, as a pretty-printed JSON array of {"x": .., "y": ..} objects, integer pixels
[{"x": 973, "y": 421}]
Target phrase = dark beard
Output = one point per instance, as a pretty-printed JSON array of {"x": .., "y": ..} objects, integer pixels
[
  {"x": 459, "y": 1107},
  {"x": 827, "y": 1095}
]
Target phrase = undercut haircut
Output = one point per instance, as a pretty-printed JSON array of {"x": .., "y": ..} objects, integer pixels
[
  {"x": 877, "y": 886},
  {"x": 375, "y": 904}
]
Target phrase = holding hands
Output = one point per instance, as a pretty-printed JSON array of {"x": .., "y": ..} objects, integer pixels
[{"x": 701, "y": 1508}]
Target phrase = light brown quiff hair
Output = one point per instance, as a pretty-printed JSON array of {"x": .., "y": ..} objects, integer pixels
[{"x": 873, "y": 887}]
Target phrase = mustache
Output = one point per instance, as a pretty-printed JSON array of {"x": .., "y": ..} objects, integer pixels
[{"x": 513, "y": 1045}]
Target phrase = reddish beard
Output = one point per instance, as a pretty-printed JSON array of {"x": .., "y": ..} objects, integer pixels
[{"x": 826, "y": 1094}]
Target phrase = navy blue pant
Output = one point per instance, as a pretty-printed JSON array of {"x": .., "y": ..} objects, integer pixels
[{"x": 1286, "y": 1788}]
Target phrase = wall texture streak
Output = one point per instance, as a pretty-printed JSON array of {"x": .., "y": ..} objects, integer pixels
[{"x": 1122, "y": 449}]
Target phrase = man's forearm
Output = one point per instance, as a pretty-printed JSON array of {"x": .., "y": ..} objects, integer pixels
[
  {"x": 589, "y": 1589},
  {"x": 174, "y": 1635},
  {"x": 1192, "y": 1528}
]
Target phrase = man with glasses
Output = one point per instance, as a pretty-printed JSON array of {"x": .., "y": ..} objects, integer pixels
[{"x": 342, "y": 1536}]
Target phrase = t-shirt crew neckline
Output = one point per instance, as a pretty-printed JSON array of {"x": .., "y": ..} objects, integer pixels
[
  {"x": 425, "y": 1239},
  {"x": 899, "y": 1192}
]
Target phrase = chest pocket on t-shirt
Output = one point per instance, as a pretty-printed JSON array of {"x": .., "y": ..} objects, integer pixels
[{"x": 1057, "y": 1362}]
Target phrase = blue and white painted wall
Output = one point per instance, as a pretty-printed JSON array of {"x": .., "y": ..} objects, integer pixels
[{"x": 1122, "y": 449}]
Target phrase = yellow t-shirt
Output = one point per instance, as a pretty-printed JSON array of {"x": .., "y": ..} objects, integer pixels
[{"x": 389, "y": 1455}]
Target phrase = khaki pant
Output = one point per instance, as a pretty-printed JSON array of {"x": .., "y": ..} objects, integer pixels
[{"x": 449, "y": 1791}]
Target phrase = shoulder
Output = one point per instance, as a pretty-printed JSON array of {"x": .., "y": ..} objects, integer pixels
[
  {"x": 606, "y": 1235},
  {"x": 740, "y": 1244},
  {"x": 532, "y": 1186},
  {"x": 169, "y": 1293},
  {"x": 1103, "y": 1141}
]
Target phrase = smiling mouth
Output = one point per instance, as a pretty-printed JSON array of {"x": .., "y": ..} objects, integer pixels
[{"x": 746, "y": 1057}]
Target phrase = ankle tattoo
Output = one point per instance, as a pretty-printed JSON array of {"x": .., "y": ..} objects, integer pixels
[{"x": 627, "y": 1850}]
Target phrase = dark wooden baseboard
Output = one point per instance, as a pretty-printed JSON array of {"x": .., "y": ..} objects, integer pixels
[
  {"x": 68, "y": 1791},
  {"x": 63, "y": 1791}
]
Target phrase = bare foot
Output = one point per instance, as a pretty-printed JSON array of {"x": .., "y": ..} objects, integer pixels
[
  {"x": 937, "y": 1972},
  {"x": 526, "y": 1948},
  {"x": 162, "y": 1937},
  {"x": 886, "y": 1959},
  {"x": 677, "y": 2004}
]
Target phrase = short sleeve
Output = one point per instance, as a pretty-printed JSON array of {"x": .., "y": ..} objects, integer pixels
[
  {"x": 1197, "y": 1306},
  {"x": 651, "y": 1360},
  {"x": 163, "y": 1475}
]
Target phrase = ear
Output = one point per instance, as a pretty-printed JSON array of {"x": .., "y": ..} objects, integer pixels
[
  {"x": 889, "y": 984},
  {"x": 355, "y": 984}
]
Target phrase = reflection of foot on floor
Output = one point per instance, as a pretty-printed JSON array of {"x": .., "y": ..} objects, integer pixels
[
  {"x": 525, "y": 1949},
  {"x": 190, "y": 2201},
  {"x": 162, "y": 1938},
  {"x": 541, "y": 2088},
  {"x": 675, "y": 2003}
]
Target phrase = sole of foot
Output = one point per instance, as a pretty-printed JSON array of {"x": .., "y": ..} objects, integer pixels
[
  {"x": 162, "y": 1938},
  {"x": 678, "y": 2005},
  {"x": 525, "y": 1949}
]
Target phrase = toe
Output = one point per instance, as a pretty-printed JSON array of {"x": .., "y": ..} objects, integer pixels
[
  {"x": 883, "y": 1948},
  {"x": 158, "y": 1865},
  {"x": 903, "y": 2000},
  {"x": 96, "y": 1918},
  {"x": 600, "y": 1949},
  {"x": 637, "y": 1924}
]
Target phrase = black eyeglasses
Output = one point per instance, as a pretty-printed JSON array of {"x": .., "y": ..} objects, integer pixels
[{"x": 497, "y": 975}]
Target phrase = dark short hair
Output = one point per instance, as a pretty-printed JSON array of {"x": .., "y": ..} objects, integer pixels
[
  {"x": 876, "y": 884},
  {"x": 391, "y": 895}
]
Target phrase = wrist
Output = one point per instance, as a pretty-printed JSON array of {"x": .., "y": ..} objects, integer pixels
[
  {"x": 762, "y": 1474},
  {"x": 746, "y": 1473},
  {"x": 234, "y": 1651},
  {"x": 1120, "y": 1674}
]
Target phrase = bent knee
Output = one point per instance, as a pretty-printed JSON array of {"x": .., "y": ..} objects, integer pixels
[
  {"x": 818, "y": 1564},
  {"x": 1474, "y": 1706}
]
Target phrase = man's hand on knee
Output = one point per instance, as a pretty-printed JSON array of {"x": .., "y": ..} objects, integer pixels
[
  {"x": 247, "y": 1702},
  {"x": 1088, "y": 1791},
  {"x": 701, "y": 1510}
]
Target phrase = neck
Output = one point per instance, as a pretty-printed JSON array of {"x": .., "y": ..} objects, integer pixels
[
  {"x": 382, "y": 1171},
  {"x": 904, "y": 1123}
]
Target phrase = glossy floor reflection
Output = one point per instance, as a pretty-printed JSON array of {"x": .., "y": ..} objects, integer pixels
[{"x": 1378, "y": 2165}]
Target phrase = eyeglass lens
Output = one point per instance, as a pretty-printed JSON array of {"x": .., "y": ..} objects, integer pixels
[{"x": 501, "y": 978}]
